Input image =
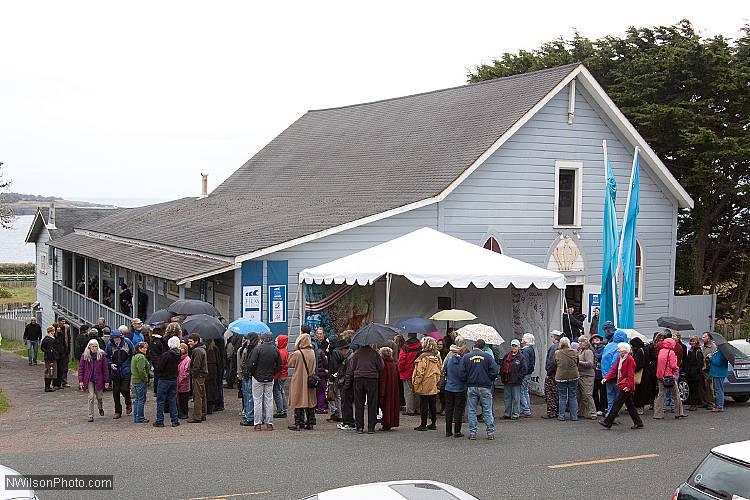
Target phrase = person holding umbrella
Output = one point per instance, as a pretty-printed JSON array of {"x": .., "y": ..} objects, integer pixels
[
  {"x": 718, "y": 369},
  {"x": 198, "y": 372},
  {"x": 366, "y": 365}
]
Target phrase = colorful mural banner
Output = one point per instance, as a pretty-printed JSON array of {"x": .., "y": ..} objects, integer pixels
[{"x": 338, "y": 307}]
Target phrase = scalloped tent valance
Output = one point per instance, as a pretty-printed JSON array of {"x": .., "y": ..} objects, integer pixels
[{"x": 429, "y": 256}]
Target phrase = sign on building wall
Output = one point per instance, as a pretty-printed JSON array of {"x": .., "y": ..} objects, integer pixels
[
  {"x": 277, "y": 303},
  {"x": 251, "y": 302},
  {"x": 594, "y": 302}
]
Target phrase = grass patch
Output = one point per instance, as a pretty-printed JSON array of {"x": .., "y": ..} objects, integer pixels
[
  {"x": 19, "y": 294},
  {"x": 19, "y": 347},
  {"x": 4, "y": 403}
]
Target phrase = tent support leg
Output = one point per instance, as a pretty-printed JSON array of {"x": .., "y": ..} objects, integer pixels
[
  {"x": 387, "y": 298},
  {"x": 301, "y": 298}
]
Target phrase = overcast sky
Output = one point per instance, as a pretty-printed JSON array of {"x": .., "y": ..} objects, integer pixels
[{"x": 104, "y": 100}]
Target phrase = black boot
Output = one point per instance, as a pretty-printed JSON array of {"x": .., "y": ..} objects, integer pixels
[
  {"x": 457, "y": 430},
  {"x": 47, "y": 383}
]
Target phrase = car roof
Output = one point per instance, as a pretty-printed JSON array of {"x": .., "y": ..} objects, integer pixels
[
  {"x": 382, "y": 490},
  {"x": 736, "y": 451}
]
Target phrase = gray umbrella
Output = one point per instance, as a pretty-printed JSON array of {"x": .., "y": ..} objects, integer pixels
[
  {"x": 160, "y": 316},
  {"x": 374, "y": 333},
  {"x": 724, "y": 347},
  {"x": 208, "y": 327},
  {"x": 673, "y": 323},
  {"x": 189, "y": 307}
]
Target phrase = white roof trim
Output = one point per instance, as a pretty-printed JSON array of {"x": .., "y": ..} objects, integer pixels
[
  {"x": 37, "y": 216},
  {"x": 208, "y": 274},
  {"x": 631, "y": 134}
]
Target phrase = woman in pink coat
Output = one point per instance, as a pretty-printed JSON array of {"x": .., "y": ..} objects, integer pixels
[
  {"x": 183, "y": 382},
  {"x": 667, "y": 365}
]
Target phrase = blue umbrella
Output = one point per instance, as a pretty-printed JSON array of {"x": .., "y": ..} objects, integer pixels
[
  {"x": 246, "y": 326},
  {"x": 416, "y": 325}
]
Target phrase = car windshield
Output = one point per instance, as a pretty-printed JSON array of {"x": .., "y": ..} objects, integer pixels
[
  {"x": 422, "y": 491},
  {"x": 721, "y": 477}
]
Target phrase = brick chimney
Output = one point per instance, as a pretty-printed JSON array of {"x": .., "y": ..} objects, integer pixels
[
  {"x": 204, "y": 185},
  {"x": 51, "y": 217}
]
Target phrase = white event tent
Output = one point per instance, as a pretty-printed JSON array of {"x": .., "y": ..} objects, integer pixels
[{"x": 511, "y": 295}]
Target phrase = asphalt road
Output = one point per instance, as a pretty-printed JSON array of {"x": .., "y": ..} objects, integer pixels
[
  {"x": 48, "y": 434},
  {"x": 286, "y": 465}
]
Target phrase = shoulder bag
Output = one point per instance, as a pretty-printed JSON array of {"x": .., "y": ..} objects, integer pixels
[
  {"x": 312, "y": 378},
  {"x": 668, "y": 380}
]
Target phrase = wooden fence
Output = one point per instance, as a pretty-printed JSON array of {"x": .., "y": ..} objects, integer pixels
[
  {"x": 4, "y": 283},
  {"x": 12, "y": 329},
  {"x": 734, "y": 331}
]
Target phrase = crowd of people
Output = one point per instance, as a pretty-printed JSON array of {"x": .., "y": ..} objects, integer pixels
[{"x": 359, "y": 387}]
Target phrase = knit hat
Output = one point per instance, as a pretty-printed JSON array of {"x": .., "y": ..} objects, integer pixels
[
  {"x": 173, "y": 343},
  {"x": 609, "y": 326},
  {"x": 515, "y": 342}
]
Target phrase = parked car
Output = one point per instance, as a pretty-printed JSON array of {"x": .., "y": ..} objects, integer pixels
[
  {"x": 13, "y": 494},
  {"x": 412, "y": 489},
  {"x": 723, "y": 474},
  {"x": 737, "y": 383},
  {"x": 742, "y": 344}
]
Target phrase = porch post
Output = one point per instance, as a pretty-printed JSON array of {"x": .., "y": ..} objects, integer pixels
[
  {"x": 387, "y": 297},
  {"x": 99, "y": 267},
  {"x": 182, "y": 291},
  {"x": 237, "y": 311},
  {"x": 86, "y": 276},
  {"x": 73, "y": 279},
  {"x": 135, "y": 295},
  {"x": 116, "y": 303}
]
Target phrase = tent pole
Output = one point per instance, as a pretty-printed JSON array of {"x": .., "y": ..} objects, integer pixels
[{"x": 387, "y": 298}]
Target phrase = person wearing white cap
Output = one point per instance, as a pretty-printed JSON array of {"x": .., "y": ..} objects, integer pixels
[{"x": 527, "y": 349}]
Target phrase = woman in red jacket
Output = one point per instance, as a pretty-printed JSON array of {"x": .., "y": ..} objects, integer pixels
[
  {"x": 279, "y": 396},
  {"x": 624, "y": 372}
]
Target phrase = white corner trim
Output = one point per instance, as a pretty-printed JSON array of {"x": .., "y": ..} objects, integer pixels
[
  {"x": 509, "y": 133},
  {"x": 37, "y": 217},
  {"x": 632, "y": 135}
]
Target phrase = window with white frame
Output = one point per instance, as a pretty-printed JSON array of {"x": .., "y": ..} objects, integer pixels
[
  {"x": 568, "y": 193},
  {"x": 493, "y": 245},
  {"x": 638, "y": 272},
  {"x": 43, "y": 263}
]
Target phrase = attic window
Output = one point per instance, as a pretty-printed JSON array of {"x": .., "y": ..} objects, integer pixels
[
  {"x": 568, "y": 193},
  {"x": 492, "y": 245}
]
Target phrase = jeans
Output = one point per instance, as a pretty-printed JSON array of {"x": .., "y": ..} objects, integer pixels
[
  {"x": 525, "y": 398},
  {"x": 669, "y": 398},
  {"x": 513, "y": 396},
  {"x": 482, "y": 395},
  {"x": 567, "y": 391},
  {"x": 279, "y": 397},
  {"x": 718, "y": 391},
  {"x": 247, "y": 392},
  {"x": 262, "y": 402},
  {"x": 612, "y": 391},
  {"x": 140, "y": 402},
  {"x": 32, "y": 345},
  {"x": 167, "y": 391}
]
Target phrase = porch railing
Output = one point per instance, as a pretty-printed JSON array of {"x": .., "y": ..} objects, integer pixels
[{"x": 84, "y": 309}]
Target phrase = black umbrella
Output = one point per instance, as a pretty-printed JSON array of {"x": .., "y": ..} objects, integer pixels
[
  {"x": 189, "y": 307},
  {"x": 208, "y": 327},
  {"x": 160, "y": 316},
  {"x": 724, "y": 347},
  {"x": 673, "y": 323},
  {"x": 374, "y": 333}
]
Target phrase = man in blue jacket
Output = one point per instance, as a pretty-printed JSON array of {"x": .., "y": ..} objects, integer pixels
[
  {"x": 119, "y": 351},
  {"x": 481, "y": 371},
  {"x": 609, "y": 358},
  {"x": 718, "y": 370}
]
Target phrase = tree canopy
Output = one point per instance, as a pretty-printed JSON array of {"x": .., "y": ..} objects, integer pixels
[{"x": 689, "y": 97}]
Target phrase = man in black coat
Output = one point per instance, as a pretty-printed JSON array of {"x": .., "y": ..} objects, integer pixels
[
  {"x": 32, "y": 334},
  {"x": 264, "y": 363}
]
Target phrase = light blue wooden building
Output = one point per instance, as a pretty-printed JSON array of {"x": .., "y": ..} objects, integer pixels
[{"x": 513, "y": 164}]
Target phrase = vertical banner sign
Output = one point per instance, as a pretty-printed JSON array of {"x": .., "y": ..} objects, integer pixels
[
  {"x": 252, "y": 286},
  {"x": 251, "y": 301},
  {"x": 278, "y": 303},
  {"x": 593, "y": 303}
]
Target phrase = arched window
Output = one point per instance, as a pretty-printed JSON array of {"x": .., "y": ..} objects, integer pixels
[
  {"x": 493, "y": 245},
  {"x": 638, "y": 271}
]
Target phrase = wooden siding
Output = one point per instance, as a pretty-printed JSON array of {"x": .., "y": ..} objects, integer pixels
[
  {"x": 44, "y": 280},
  {"x": 512, "y": 195}
]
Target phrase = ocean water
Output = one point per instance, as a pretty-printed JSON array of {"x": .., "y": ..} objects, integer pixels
[{"x": 13, "y": 246}]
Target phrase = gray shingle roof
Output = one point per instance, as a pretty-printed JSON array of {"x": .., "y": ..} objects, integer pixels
[
  {"x": 334, "y": 166},
  {"x": 152, "y": 261}
]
